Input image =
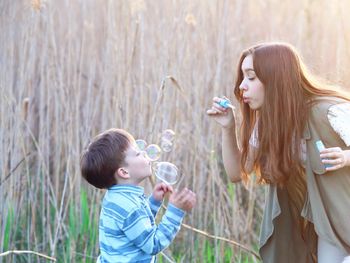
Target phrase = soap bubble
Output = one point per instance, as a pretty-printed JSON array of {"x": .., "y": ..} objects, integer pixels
[
  {"x": 166, "y": 172},
  {"x": 141, "y": 144},
  {"x": 166, "y": 145},
  {"x": 168, "y": 135},
  {"x": 153, "y": 152}
]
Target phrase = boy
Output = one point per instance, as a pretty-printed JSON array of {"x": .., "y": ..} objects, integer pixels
[{"x": 127, "y": 230}]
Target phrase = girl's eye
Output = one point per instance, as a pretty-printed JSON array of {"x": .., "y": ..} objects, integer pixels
[{"x": 251, "y": 78}]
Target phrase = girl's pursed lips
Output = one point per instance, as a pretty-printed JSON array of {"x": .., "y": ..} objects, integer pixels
[{"x": 246, "y": 99}]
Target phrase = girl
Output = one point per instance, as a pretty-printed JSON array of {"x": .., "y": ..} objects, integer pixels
[{"x": 285, "y": 113}]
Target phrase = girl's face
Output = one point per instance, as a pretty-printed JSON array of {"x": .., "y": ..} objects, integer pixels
[{"x": 253, "y": 91}]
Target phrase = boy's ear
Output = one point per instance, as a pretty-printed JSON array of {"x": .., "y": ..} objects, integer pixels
[{"x": 122, "y": 173}]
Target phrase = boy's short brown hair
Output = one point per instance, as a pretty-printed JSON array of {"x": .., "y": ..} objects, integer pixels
[{"x": 104, "y": 155}]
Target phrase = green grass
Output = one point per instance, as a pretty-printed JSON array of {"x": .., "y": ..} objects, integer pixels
[{"x": 8, "y": 225}]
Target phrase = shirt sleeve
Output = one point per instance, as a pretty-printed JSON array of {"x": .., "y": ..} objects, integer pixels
[
  {"x": 152, "y": 238},
  {"x": 154, "y": 205},
  {"x": 339, "y": 118}
]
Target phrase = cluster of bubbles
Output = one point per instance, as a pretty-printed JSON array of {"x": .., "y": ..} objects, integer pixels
[
  {"x": 164, "y": 171},
  {"x": 152, "y": 151},
  {"x": 167, "y": 139}
]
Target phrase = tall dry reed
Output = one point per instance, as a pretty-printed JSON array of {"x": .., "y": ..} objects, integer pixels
[{"x": 71, "y": 69}]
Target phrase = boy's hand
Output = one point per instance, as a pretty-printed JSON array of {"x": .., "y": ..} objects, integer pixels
[
  {"x": 185, "y": 199},
  {"x": 160, "y": 190}
]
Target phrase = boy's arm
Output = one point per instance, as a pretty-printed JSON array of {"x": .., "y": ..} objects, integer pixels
[
  {"x": 153, "y": 239},
  {"x": 154, "y": 205}
]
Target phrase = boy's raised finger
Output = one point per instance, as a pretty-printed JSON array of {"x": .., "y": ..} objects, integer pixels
[{"x": 170, "y": 188}]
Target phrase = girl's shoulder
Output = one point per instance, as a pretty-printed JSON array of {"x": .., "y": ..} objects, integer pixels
[
  {"x": 338, "y": 116},
  {"x": 328, "y": 99},
  {"x": 323, "y": 103}
]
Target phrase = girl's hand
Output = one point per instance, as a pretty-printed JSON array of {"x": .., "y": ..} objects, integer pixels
[
  {"x": 225, "y": 117},
  {"x": 336, "y": 157},
  {"x": 160, "y": 190}
]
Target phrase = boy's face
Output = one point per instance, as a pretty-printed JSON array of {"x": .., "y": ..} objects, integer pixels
[{"x": 137, "y": 164}]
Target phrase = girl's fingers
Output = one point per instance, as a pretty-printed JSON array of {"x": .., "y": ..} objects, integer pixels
[
  {"x": 333, "y": 161},
  {"x": 211, "y": 112},
  {"x": 216, "y": 102},
  {"x": 217, "y": 99},
  {"x": 334, "y": 167},
  {"x": 330, "y": 150},
  {"x": 331, "y": 155},
  {"x": 214, "y": 111},
  {"x": 218, "y": 109}
]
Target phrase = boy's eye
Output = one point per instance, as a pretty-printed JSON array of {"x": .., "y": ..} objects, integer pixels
[{"x": 141, "y": 153}]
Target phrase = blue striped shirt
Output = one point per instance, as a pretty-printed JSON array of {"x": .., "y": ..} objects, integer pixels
[{"x": 127, "y": 230}]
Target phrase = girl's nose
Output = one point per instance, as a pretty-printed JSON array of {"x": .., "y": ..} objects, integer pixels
[{"x": 243, "y": 86}]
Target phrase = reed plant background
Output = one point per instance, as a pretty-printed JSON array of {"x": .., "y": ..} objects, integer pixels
[{"x": 71, "y": 69}]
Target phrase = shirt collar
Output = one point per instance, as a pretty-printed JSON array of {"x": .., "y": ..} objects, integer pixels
[{"x": 135, "y": 189}]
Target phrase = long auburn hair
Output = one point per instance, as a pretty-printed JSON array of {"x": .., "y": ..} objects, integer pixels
[
  {"x": 289, "y": 93},
  {"x": 289, "y": 90}
]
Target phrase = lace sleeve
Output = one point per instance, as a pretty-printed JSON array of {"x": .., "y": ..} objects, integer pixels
[
  {"x": 253, "y": 141},
  {"x": 339, "y": 118}
]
